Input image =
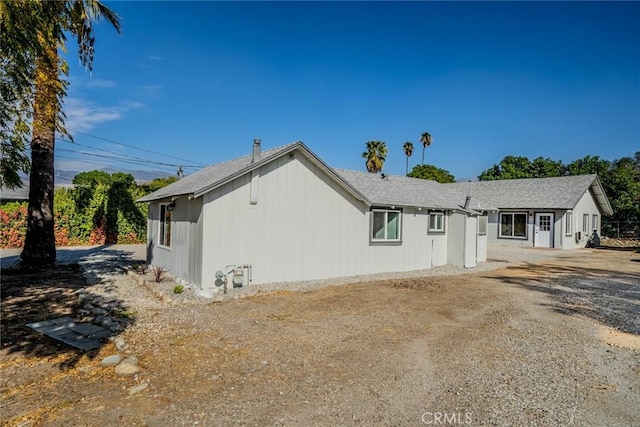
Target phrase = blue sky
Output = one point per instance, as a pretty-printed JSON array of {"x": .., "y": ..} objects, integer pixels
[{"x": 198, "y": 81}]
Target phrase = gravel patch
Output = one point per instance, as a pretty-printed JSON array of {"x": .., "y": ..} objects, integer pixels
[{"x": 498, "y": 257}]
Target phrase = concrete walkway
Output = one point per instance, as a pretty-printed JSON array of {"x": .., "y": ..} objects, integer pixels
[{"x": 97, "y": 262}]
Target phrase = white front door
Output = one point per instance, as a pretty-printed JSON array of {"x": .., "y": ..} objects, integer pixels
[{"x": 544, "y": 230}]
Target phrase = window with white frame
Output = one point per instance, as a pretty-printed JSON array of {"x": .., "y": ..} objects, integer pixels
[
  {"x": 165, "y": 226},
  {"x": 585, "y": 224},
  {"x": 482, "y": 225},
  {"x": 385, "y": 225},
  {"x": 594, "y": 223},
  {"x": 568, "y": 225},
  {"x": 513, "y": 224},
  {"x": 436, "y": 222}
]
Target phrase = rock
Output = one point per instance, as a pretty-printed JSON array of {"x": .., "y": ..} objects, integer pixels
[
  {"x": 126, "y": 368},
  {"x": 98, "y": 311},
  {"x": 112, "y": 360},
  {"x": 120, "y": 343},
  {"x": 104, "y": 320},
  {"x": 88, "y": 306},
  {"x": 138, "y": 388},
  {"x": 116, "y": 327}
]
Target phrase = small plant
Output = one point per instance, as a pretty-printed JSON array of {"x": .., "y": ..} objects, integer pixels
[
  {"x": 178, "y": 289},
  {"x": 143, "y": 268},
  {"x": 127, "y": 314},
  {"x": 158, "y": 273}
]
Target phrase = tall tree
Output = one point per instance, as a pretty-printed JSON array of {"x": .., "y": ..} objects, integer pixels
[
  {"x": 408, "y": 151},
  {"x": 433, "y": 173},
  {"x": 37, "y": 30},
  {"x": 511, "y": 167},
  {"x": 16, "y": 89},
  {"x": 425, "y": 140},
  {"x": 375, "y": 156}
]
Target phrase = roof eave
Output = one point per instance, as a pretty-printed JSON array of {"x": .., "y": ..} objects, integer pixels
[
  {"x": 601, "y": 196},
  {"x": 299, "y": 145}
]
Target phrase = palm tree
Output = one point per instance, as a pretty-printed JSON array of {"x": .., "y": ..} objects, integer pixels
[
  {"x": 376, "y": 154},
  {"x": 408, "y": 151},
  {"x": 425, "y": 139},
  {"x": 48, "y": 21}
]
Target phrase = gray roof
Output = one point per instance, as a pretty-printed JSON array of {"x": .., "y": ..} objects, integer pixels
[
  {"x": 17, "y": 195},
  {"x": 395, "y": 190},
  {"x": 214, "y": 176},
  {"x": 537, "y": 193}
]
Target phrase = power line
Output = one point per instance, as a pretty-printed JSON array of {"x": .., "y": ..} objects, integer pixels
[
  {"x": 121, "y": 157},
  {"x": 60, "y": 156},
  {"x": 134, "y": 147}
]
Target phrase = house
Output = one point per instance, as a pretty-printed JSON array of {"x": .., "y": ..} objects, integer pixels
[
  {"x": 560, "y": 212},
  {"x": 283, "y": 215},
  {"x": 20, "y": 194}
]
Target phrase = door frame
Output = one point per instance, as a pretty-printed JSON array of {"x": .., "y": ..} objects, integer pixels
[{"x": 536, "y": 217}]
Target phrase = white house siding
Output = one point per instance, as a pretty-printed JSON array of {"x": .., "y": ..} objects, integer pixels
[
  {"x": 470, "y": 240},
  {"x": 185, "y": 220},
  {"x": 456, "y": 237},
  {"x": 464, "y": 242},
  {"x": 303, "y": 226},
  {"x": 586, "y": 205},
  {"x": 481, "y": 254},
  {"x": 418, "y": 250}
]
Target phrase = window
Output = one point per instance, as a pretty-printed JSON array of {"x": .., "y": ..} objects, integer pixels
[
  {"x": 513, "y": 225},
  {"x": 436, "y": 222},
  {"x": 568, "y": 226},
  {"x": 165, "y": 225},
  {"x": 482, "y": 225},
  {"x": 594, "y": 224},
  {"x": 585, "y": 224},
  {"x": 385, "y": 226}
]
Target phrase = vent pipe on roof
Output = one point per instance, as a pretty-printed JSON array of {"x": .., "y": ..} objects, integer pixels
[
  {"x": 467, "y": 202},
  {"x": 255, "y": 156}
]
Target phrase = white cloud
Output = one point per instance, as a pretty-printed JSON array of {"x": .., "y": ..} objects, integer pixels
[
  {"x": 150, "y": 90},
  {"x": 101, "y": 83},
  {"x": 154, "y": 58},
  {"x": 83, "y": 115}
]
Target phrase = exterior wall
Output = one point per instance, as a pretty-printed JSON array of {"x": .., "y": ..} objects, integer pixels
[
  {"x": 576, "y": 237},
  {"x": 493, "y": 228},
  {"x": 470, "y": 241},
  {"x": 465, "y": 248},
  {"x": 456, "y": 239},
  {"x": 185, "y": 239},
  {"x": 303, "y": 227},
  {"x": 481, "y": 251},
  {"x": 586, "y": 205}
]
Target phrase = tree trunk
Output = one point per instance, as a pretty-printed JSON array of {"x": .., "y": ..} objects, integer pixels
[{"x": 40, "y": 242}]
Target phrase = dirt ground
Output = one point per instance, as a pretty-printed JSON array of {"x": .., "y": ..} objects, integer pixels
[{"x": 539, "y": 344}]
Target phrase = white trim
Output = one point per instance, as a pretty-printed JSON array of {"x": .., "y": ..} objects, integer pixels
[
  {"x": 536, "y": 225},
  {"x": 386, "y": 223},
  {"x": 162, "y": 225},
  {"x": 512, "y": 236},
  {"x": 568, "y": 223},
  {"x": 437, "y": 229},
  {"x": 483, "y": 222}
]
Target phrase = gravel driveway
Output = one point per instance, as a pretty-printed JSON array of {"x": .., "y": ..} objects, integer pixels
[{"x": 540, "y": 342}]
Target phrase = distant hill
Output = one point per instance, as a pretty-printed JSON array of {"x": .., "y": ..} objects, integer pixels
[{"x": 470, "y": 179}]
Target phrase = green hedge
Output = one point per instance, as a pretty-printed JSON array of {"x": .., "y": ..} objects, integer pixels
[{"x": 104, "y": 213}]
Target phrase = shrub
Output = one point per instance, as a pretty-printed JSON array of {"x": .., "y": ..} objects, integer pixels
[{"x": 158, "y": 273}]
